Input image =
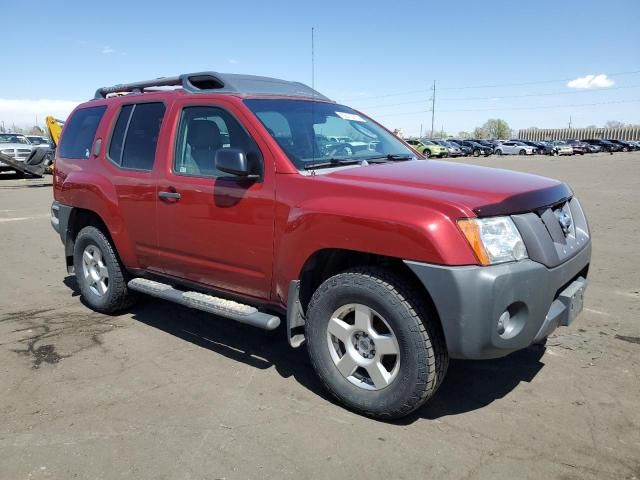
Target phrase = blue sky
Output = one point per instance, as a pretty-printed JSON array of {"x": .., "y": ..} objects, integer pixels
[{"x": 380, "y": 57}]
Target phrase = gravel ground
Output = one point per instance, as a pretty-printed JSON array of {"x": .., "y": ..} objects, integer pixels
[{"x": 163, "y": 392}]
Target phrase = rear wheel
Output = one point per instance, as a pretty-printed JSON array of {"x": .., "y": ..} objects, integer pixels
[
  {"x": 427, "y": 153},
  {"x": 374, "y": 343},
  {"x": 100, "y": 276}
]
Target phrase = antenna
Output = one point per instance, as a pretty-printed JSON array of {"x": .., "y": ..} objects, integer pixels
[{"x": 313, "y": 60}]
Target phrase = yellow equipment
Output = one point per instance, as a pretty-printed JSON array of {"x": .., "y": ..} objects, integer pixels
[{"x": 54, "y": 128}]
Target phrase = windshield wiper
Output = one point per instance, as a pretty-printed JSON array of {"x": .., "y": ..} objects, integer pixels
[
  {"x": 332, "y": 162},
  {"x": 392, "y": 157}
]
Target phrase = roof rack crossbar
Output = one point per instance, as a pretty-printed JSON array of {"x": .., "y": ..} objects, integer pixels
[{"x": 203, "y": 82}]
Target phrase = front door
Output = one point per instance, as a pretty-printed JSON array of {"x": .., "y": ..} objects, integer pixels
[{"x": 215, "y": 228}]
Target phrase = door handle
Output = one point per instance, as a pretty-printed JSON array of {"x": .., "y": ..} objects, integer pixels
[{"x": 169, "y": 196}]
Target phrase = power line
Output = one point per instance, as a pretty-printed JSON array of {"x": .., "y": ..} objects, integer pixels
[
  {"x": 468, "y": 87},
  {"x": 543, "y": 107},
  {"x": 549, "y": 94}
]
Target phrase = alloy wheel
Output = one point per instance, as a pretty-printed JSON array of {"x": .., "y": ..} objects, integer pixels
[
  {"x": 94, "y": 270},
  {"x": 363, "y": 346}
]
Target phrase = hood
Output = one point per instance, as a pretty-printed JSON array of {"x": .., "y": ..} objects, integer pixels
[
  {"x": 486, "y": 191},
  {"x": 11, "y": 146}
]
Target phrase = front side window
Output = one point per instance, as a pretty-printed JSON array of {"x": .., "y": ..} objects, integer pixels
[
  {"x": 135, "y": 135},
  {"x": 310, "y": 132},
  {"x": 79, "y": 132},
  {"x": 203, "y": 131}
]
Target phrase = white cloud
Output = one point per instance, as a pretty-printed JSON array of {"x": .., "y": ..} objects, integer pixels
[
  {"x": 591, "y": 81},
  {"x": 106, "y": 50},
  {"x": 24, "y": 112}
]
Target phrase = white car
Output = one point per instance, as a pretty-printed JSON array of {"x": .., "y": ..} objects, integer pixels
[
  {"x": 16, "y": 146},
  {"x": 513, "y": 147},
  {"x": 562, "y": 148},
  {"x": 38, "y": 141}
]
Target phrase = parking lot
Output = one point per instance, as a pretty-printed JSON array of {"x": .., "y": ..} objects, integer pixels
[{"x": 166, "y": 392}]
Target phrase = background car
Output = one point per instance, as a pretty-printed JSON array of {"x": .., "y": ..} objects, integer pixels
[
  {"x": 625, "y": 145},
  {"x": 38, "y": 141},
  {"x": 539, "y": 149},
  {"x": 578, "y": 146},
  {"x": 16, "y": 146},
  {"x": 560, "y": 147},
  {"x": 486, "y": 143},
  {"x": 514, "y": 147},
  {"x": 428, "y": 148},
  {"x": 476, "y": 148},
  {"x": 605, "y": 145},
  {"x": 453, "y": 148},
  {"x": 466, "y": 150}
]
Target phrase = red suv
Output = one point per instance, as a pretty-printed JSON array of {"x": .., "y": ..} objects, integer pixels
[{"x": 255, "y": 198}]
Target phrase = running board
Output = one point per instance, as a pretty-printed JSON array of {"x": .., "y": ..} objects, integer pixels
[{"x": 207, "y": 303}]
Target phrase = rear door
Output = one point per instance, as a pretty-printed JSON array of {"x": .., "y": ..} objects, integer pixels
[{"x": 215, "y": 228}]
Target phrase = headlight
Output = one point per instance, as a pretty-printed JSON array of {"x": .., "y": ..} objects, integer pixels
[{"x": 494, "y": 239}]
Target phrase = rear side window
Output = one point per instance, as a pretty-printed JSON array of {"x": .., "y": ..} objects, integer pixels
[
  {"x": 80, "y": 131},
  {"x": 135, "y": 135}
]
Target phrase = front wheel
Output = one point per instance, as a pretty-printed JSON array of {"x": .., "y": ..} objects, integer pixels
[
  {"x": 476, "y": 153},
  {"x": 427, "y": 153},
  {"x": 374, "y": 343},
  {"x": 499, "y": 153},
  {"x": 522, "y": 152},
  {"x": 100, "y": 276}
]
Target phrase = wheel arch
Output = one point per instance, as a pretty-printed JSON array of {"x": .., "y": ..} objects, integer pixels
[
  {"x": 78, "y": 219},
  {"x": 328, "y": 262}
]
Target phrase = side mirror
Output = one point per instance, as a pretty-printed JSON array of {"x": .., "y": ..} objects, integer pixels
[{"x": 233, "y": 161}]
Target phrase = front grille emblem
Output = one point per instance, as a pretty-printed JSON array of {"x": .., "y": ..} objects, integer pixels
[{"x": 564, "y": 219}]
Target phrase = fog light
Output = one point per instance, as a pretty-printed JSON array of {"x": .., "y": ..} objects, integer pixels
[{"x": 503, "y": 321}]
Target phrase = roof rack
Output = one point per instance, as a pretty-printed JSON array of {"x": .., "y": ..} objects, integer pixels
[{"x": 210, "y": 82}]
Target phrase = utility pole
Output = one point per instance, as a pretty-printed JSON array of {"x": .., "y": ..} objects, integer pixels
[
  {"x": 420, "y": 130},
  {"x": 569, "y": 122},
  {"x": 433, "y": 107}
]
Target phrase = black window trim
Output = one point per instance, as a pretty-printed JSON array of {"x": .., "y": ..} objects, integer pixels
[
  {"x": 93, "y": 140},
  {"x": 126, "y": 131},
  {"x": 212, "y": 177}
]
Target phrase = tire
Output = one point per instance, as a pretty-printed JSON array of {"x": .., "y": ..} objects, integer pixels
[
  {"x": 499, "y": 152},
  {"x": 555, "y": 153},
  {"x": 522, "y": 152},
  {"x": 427, "y": 153},
  {"x": 94, "y": 257},
  {"x": 476, "y": 153},
  {"x": 387, "y": 302}
]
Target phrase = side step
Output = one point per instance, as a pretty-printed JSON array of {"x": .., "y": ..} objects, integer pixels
[{"x": 207, "y": 303}]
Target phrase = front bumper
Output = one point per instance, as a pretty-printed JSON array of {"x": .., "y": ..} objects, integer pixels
[{"x": 471, "y": 299}]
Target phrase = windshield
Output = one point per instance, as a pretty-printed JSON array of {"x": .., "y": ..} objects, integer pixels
[
  {"x": 13, "y": 138},
  {"x": 310, "y": 131}
]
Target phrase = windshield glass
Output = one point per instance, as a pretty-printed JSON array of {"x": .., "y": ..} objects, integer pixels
[
  {"x": 310, "y": 131},
  {"x": 13, "y": 138}
]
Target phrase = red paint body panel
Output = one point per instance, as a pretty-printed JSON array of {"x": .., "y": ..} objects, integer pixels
[{"x": 252, "y": 239}]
